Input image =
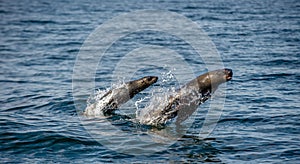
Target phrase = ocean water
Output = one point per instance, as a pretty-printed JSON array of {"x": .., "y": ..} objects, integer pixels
[{"x": 41, "y": 120}]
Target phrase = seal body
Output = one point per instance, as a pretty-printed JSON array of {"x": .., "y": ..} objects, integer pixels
[
  {"x": 187, "y": 99},
  {"x": 112, "y": 99}
]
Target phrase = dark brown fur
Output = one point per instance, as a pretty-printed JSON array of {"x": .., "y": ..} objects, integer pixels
[{"x": 189, "y": 97}]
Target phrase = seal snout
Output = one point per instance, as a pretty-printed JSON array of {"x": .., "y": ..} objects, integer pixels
[
  {"x": 153, "y": 78},
  {"x": 228, "y": 73}
]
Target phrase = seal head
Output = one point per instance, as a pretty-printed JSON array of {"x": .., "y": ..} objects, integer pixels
[{"x": 137, "y": 86}]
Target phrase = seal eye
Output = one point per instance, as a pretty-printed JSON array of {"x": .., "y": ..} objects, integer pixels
[{"x": 148, "y": 78}]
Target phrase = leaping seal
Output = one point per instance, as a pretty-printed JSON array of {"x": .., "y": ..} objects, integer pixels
[
  {"x": 112, "y": 99},
  {"x": 187, "y": 99}
]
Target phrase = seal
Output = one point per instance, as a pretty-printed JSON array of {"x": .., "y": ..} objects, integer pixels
[
  {"x": 187, "y": 99},
  {"x": 112, "y": 99}
]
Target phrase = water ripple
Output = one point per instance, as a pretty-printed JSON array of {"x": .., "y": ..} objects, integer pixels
[{"x": 39, "y": 42}]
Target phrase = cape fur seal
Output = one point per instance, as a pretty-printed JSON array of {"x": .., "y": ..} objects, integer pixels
[
  {"x": 112, "y": 99},
  {"x": 187, "y": 99}
]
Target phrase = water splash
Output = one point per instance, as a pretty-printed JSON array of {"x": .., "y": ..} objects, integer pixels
[
  {"x": 96, "y": 96},
  {"x": 146, "y": 107},
  {"x": 159, "y": 97},
  {"x": 100, "y": 98}
]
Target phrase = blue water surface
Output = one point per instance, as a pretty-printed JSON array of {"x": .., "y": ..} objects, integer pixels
[{"x": 258, "y": 40}]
